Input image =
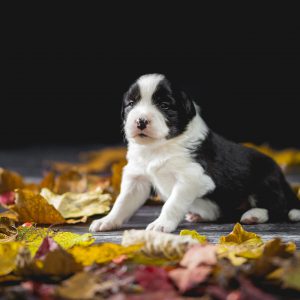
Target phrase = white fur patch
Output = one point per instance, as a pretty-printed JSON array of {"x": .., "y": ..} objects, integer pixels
[
  {"x": 255, "y": 216},
  {"x": 294, "y": 215}
]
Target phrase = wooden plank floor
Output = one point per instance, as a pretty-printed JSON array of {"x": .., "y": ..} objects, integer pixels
[
  {"x": 30, "y": 163},
  {"x": 213, "y": 231}
]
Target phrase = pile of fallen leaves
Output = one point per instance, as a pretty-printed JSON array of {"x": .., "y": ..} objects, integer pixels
[
  {"x": 45, "y": 263},
  {"x": 42, "y": 263}
]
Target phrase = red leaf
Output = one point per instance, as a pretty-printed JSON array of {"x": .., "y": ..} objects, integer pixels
[
  {"x": 251, "y": 292},
  {"x": 47, "y": 245},
  {"x": 185, "y": 279},
  {"x": 153, "y": 278},
  {"x": 199, "y": 254},
  {"x": 7, "y": 198}
]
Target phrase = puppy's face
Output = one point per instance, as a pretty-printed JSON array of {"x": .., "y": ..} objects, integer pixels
[{"x": 153, "y": 110}]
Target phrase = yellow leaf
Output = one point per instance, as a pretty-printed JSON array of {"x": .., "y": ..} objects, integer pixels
[
  {"x": 8, "y": 254},
  {"x": 101, "y": 253},
  {"x": 9, "y": 181},
  {"x": 34, "y": 208},
  {"x": 159, "y": 244},
  {"x": 74, "y": 205},
  {"x": 287, "y": 157},
  {"x": 239, "y": 236},
  {"x": 240, "y": 245},
  {"x": 97, "y": 161},
  {"x": 33, "y": 238},
  {"x": 194, "y": 234}
]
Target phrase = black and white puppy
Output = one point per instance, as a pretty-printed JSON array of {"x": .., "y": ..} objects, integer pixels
[{"x": 198, "y": 173}]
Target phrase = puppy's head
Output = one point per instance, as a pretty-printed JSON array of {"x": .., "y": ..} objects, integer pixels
[{"x": 154, "y": 110}]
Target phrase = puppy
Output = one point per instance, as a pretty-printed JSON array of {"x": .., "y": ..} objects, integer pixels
[{"x": 195, "y": 171}]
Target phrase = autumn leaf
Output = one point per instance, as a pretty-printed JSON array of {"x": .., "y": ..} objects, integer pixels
[
  {"x": 194, "y": 234},
  {"x": 8, "y": 231},
  {"x": 34, "y": 208},
  {"x": 159, "y": 244},
  {"x": 199, "y": 254},
  {"x": 187, "y": 278},
  {"x": 153, "y": 278},
  {"x": 265, "y": 263},
  {"x": 291, "y": 274},
  {"x": 33, "y": 238},
  {"x": 284, "y": 158},
  {"x": 240, "y": 245},
  {"x": 74, "y": 205},
  {"x": 7, "y": 199},
  {"x": 81, "y": 286},
  {"x": 95, "y": 162},
  {"x": 10, "y": 181},
  {"x": 117, "y": 170},
  {"x": 102, "y": 253},
  {"x": 50, "y": 260},
  {"x": 8, "y": 254}
]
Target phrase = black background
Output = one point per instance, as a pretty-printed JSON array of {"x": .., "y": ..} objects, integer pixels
[{"x": 247, "y": 86}]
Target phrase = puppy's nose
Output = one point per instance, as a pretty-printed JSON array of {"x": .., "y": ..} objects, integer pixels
[{"x": 141, "y": 123}]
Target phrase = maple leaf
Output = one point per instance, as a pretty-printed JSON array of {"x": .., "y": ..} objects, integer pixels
[
  {"x": 74, "y": 205},
  {"x": 153, "y": 278},
  {"x": 10, "y": 181},
  {"x": 8, "y": 231},
  {"x": 159, "y": 244},
  {"x": 291, "y": 275},
  {"x": 240, "y": 245},
  {"x": 194, "y": 234},
  {"x": 102, "y": 253}
]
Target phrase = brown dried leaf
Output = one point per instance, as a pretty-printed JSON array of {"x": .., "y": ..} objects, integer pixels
[
  {"x": 8, "y": 231},
  {"x": 34, "y": 208},
  {"x": 10, "y": 180}
]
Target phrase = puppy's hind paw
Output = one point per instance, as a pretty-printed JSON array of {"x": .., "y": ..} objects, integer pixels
[
  {"x": 193, "y": 218},
  {"x": 294, "y": 215},
  {"x": 255, "y": 216},
  {"x": 104, "y": 224}
]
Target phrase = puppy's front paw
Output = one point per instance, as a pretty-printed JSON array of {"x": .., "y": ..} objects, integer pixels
[
  {"x": 162, "y": 225},
  {"x": 104, "y": 224}
]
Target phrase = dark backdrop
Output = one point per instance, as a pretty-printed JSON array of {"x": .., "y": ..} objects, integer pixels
[{"x": 71, "y": 95}]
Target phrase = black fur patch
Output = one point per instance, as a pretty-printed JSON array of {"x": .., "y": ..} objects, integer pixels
[
  {"x": 240, "y": 172},
  {"x": 176, "y": 107},
  {"x": 130, "y": 99}
]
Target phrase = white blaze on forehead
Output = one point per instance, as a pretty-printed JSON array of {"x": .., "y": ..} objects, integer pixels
[{"x": 148, "y": 84}]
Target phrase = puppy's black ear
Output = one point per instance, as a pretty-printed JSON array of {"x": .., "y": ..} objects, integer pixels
[
  {"x": 187, "y": 104},
  {"x": 123, "y": 106}
]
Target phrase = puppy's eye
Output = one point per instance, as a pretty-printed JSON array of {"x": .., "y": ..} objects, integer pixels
[
  {"x": 130, "y": 103},
  {"x": 164, "y": 105}
]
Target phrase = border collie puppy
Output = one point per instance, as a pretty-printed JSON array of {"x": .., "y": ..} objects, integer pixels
[{"x": 197, "y": 173}]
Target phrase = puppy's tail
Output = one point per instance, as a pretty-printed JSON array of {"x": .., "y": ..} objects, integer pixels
[{"x": 293, "y": 203}]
